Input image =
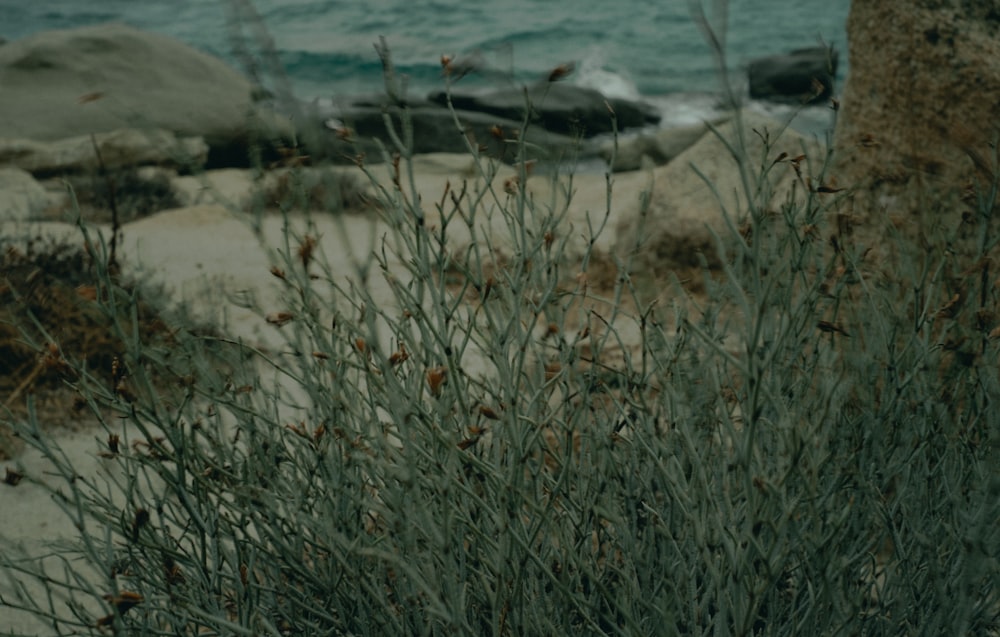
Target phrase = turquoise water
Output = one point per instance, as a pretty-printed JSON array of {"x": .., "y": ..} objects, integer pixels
[{"x": 624, "y": 47}]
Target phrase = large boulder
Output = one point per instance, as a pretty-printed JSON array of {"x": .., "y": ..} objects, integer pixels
[
  {"x": 115, "y": 149},
  {"x": 557, "y": 107},
  {"x": 801, "y": 76},
  {"x": 685, "y": 211},
  {"x": 921, "y": 105},
  {"x": 95, "y": 79}
]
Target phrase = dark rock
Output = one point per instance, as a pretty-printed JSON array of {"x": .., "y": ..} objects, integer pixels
[
  {"x": 557, "y": 107},
  {"x": 793, "y": 77},
  {"x": 434, "y": 130}
]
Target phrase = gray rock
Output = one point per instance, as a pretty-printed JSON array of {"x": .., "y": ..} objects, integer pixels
[
  {"x": 21, "y": 197},
  {"x": 118, "y": 149},
  {"x": 658, "y": 147},
  {"x": 557, "y": 107},
  {"x": 96, "y": 79},
  {"x": 685, "y": 211},
  {"x": 792, "y": 77}
]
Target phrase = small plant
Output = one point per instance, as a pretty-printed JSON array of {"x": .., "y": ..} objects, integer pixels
[{"x": 135, "y": 194}]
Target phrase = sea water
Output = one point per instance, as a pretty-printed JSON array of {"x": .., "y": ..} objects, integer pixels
[{"x": 644, "y": 49}]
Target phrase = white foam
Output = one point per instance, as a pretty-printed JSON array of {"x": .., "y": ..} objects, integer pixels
[
  {"x": 592, "y": 72},
  {"x": 685, "y": 109}
]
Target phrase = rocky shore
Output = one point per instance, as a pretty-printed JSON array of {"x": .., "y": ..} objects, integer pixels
[
  {"x": 201, "y": 168},
  {"x": 111, "y": 99}
]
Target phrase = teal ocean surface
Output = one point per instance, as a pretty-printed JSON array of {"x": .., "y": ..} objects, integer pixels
[{"x": 628, "y": 48}]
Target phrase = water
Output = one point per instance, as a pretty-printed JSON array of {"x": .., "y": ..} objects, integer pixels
[{"x": 628, "y": 48}]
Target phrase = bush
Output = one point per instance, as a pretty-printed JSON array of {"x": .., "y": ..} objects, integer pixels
[{"x": 808, "y": 446}]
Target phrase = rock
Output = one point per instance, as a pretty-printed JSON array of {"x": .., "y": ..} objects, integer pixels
[
  {"x": 314, "y": 188},
  {"x": 21, "y": 197},
  {"x": 922, "y": 98},
  {"x": 792, "y": 77},
  {"x": 658, "y": 147},
  {"x": 435, "y": 131},
  {"x": 684, "y": 211},
  {"x": 97, "y": 79},
  {"x": 557, "y": 107},
  {"x": 118, "y": 149},
  {"x": 233, "y": 188}
]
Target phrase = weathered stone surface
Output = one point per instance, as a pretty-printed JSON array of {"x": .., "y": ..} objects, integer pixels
[
  {"x": 557, "y": 107},
  {"x": 21, "y": 197},
  {"x": 118, "y": 149},
  {"x": 922, "y": 97},
  {"x": 684, "y": 210},
  {"x": 659, "y": 147},
  {"x": 792, "y": 77},
  {"x": 435, "y": 131},
  {"x": 321, "y": 188},
  {"x": 96, "y": 79}
]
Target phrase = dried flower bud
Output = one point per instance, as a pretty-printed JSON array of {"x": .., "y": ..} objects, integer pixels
[
  {"x": 113, "y": 447},
  {"x": 552, "y": 369},
  {"x": 436, "y": 377},
  {"x": 831, "y": 328},
  {"x": 141, "y": 520},
  {"x": 468, "y": 442},
  {"x": 488, "y": 412},
  {"x": 399, "y": 356},
  {"x": 124, "y": 600},
  {"x": 510, "y": 185},
  {"x": 306, "y": 248},
  {"x": 12, "y": 477},
  {"x": 560, "y": 72},
  {"x": 87, "y": 292},
  {"x": 279, "y": 318}
]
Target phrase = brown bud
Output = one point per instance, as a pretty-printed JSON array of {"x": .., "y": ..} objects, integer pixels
[
  {"x": 560, "y": 72},
  {"x": 436, "y": 377},
  {"x": 279, "y": 318}
]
